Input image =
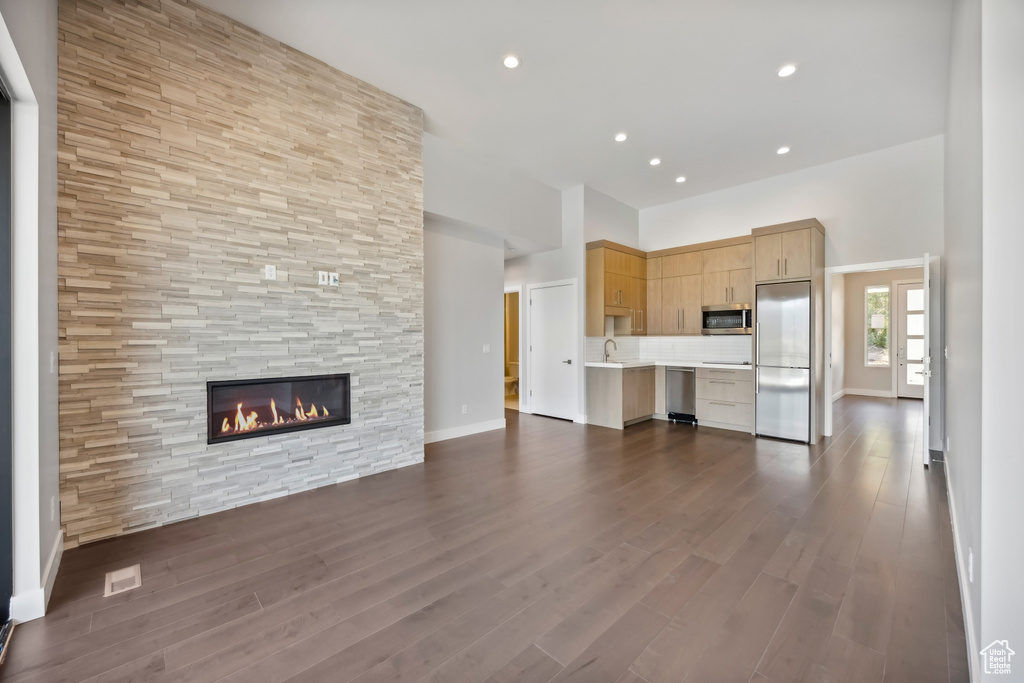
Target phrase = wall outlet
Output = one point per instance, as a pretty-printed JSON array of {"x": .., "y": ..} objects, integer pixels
[
  {"x": 270, "y": 272},
  {"x": 53, "y": 508},
  {"x": 465, "y": 409},
  {"x": 947, "y": 444},
  {"x": 323, "y": 278},
  {"x": 487, "y": 348},
  {"x": 946, "y": 352},
  {"x": 334, "y": 279},
  {"x": 53, "y": 362},
  {"x": 970, "y": 565}
]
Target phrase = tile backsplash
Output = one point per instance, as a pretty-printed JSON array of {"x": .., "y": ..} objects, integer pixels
[{"x": 712, "y": 347}]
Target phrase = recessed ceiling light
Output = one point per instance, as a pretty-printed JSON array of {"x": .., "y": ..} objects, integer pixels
[
  {"x": 787, "y": 70},
  {"x": 782, "y": 150},
  {"x": 680, "y": 179},
  {"x": 513, "y": 249},
  {"x": 621, "y": 137},
  {"x": 511, "y": 61},
  {"x": 655, "y": 161}
]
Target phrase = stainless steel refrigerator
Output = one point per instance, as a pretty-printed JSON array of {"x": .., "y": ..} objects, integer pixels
[{"x": 783, "y": 373}]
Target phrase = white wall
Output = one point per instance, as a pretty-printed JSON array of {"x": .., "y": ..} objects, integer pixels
[
  {"x": 838, "y": 356},
  {"x": 463, "y": 310},
  {"x": 963, "y": 207},
  {"x": 565, "y": 263},
  {"x": 880, "y": 206},
  {"x": 1001, "y": 565},
  {"x": 460, "y": 186},
  {"x": 605, "y": 218},
  {"x": 28, "y": 59}
]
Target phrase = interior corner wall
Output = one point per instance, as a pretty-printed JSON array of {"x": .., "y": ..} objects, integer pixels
[
  {"x": 859, "y": 377},
  {"x": 605, "y": 218},
  {"x": 32, "y": 27},
  {"x": 1002, "y": 242},
  {"x": 963, "y": 301},
  {"x": 880, "y": 206},
  {"x": 566, "y": 263},
  {"x": 193, "y": 152},
  {"x": 838, "y": 351},
  {"x": 463, "y": 311}
]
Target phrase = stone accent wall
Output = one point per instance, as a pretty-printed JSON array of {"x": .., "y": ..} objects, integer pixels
[{"x": 193, "y": 152}]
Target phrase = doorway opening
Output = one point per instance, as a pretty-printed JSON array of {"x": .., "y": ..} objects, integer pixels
[
  {"x": 512, "y": 350},
  {"x": 883, "y": 333}
]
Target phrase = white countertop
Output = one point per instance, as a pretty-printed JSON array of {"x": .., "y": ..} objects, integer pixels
[{"x": 668, "y": 363}]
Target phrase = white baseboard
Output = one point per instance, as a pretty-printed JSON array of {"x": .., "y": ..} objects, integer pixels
[
  {"x": 965, "y": 594},
  {"x": 876, "y": 393},
  {"x": 32, "y": 605},
  {"x": 581, "y": 419},
  {"x": 838, "y": 395},
  {"x": 466, "y": 430}
]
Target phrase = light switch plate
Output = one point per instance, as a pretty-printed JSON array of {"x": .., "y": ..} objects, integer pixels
[
  {"x": 334, "y": 279},
  {"x": 323, "y": 278},
  {"x": 270, "y": 272},
  {"x": 487, "y": 348}
]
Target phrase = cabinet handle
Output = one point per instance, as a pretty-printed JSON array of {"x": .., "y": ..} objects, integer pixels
[
  {"x": 727, "y": 295},
  {"x": 786, "y": 269},
  {"x": 778, "y": 267},
  {"x": 726, "y": 372},
  {"x": 719, "y": 381},
  {"x": 642, "y": 319},
  {"x": 732, "y": 294},
  {"x": 677, "y": 320},
  {"x": 719, "y": 403}
]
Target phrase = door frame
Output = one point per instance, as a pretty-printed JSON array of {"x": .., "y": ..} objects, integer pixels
[
  {"x": 894, "y": 318},
  {"x": 526, "y": 350},
  {"x": 518, "y": 289},
  {"x": 34, "y": 574},
  {"x": 828, "y": 392}
]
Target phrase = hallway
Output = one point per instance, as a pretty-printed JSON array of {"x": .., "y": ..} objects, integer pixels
[{"x": 550, "y": 551}]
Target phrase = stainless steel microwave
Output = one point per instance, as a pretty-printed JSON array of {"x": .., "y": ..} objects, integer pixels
[{"x": 727, "y": 319}]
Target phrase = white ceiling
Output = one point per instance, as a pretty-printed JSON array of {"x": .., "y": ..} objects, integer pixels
[{"x": 691, "y": 81}]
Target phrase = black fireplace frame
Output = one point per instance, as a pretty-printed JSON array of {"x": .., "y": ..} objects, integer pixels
[{"x": 292, "y": 427}]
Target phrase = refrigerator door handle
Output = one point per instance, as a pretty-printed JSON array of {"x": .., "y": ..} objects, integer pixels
[
  {"x": 757, "y": 380},
  {"x": 757, "y": 342}
]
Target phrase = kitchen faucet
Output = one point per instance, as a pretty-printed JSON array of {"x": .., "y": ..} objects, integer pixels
[{"x": 606, "y": 343}]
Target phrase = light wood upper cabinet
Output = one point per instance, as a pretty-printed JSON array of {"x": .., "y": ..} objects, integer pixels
[
  {"x": 728, "y": 287},
  {"x": 676, "y": 265},
  {"x": 616, "y": 290},
  {"x": 654, "y": 268},
  {"x": 735, "y": 257},
  {"x": 716, "y": 288},
  {"x": 796, "y": 253},
  {"x": 653, "y": 322},
  {"x": 741, "y": 286},
  {"x": 782, "y": 255},
  {"x": 768, "y": 257},
  {"x": 638, "y": 304},
  {"x": 680, "y": 305}
]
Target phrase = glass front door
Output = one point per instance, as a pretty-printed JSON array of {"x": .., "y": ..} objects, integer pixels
[{"x": 910, "y": 350}]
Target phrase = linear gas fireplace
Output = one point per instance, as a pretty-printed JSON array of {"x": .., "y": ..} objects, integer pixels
[{"x": 254, "y": 407}]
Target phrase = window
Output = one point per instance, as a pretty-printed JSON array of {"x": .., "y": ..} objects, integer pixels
[{"x": 876, "y": 326}]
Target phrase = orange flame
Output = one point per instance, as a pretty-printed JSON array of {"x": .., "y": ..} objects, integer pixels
[{"x": 244, "y": 423}]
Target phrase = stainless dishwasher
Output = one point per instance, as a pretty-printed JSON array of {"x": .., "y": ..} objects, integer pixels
[{"x": 681, "y": 394}]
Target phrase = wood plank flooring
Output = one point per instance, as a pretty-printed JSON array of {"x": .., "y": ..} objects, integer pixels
[{"x": 547, "y": 552}]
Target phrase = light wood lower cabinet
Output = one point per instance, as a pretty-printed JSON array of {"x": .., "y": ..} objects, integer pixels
[
  {"x": 725, "y": 398},
  {"x": 617, "y": 397}
]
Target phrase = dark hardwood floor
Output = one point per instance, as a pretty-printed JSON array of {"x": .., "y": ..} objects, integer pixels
[{"x": 548, "y": 552}]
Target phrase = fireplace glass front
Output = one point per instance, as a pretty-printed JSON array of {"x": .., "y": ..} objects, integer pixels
[{"x": 254, "y": 407}]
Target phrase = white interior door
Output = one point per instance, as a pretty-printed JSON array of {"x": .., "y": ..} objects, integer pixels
[
  {"x": 911, "y": 329},
  {"x": 934, "y": 401},
  {"x": 553, "y": 347}
]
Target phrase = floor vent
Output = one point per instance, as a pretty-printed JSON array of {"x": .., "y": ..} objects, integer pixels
[{"x": 122, "y": 580}]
